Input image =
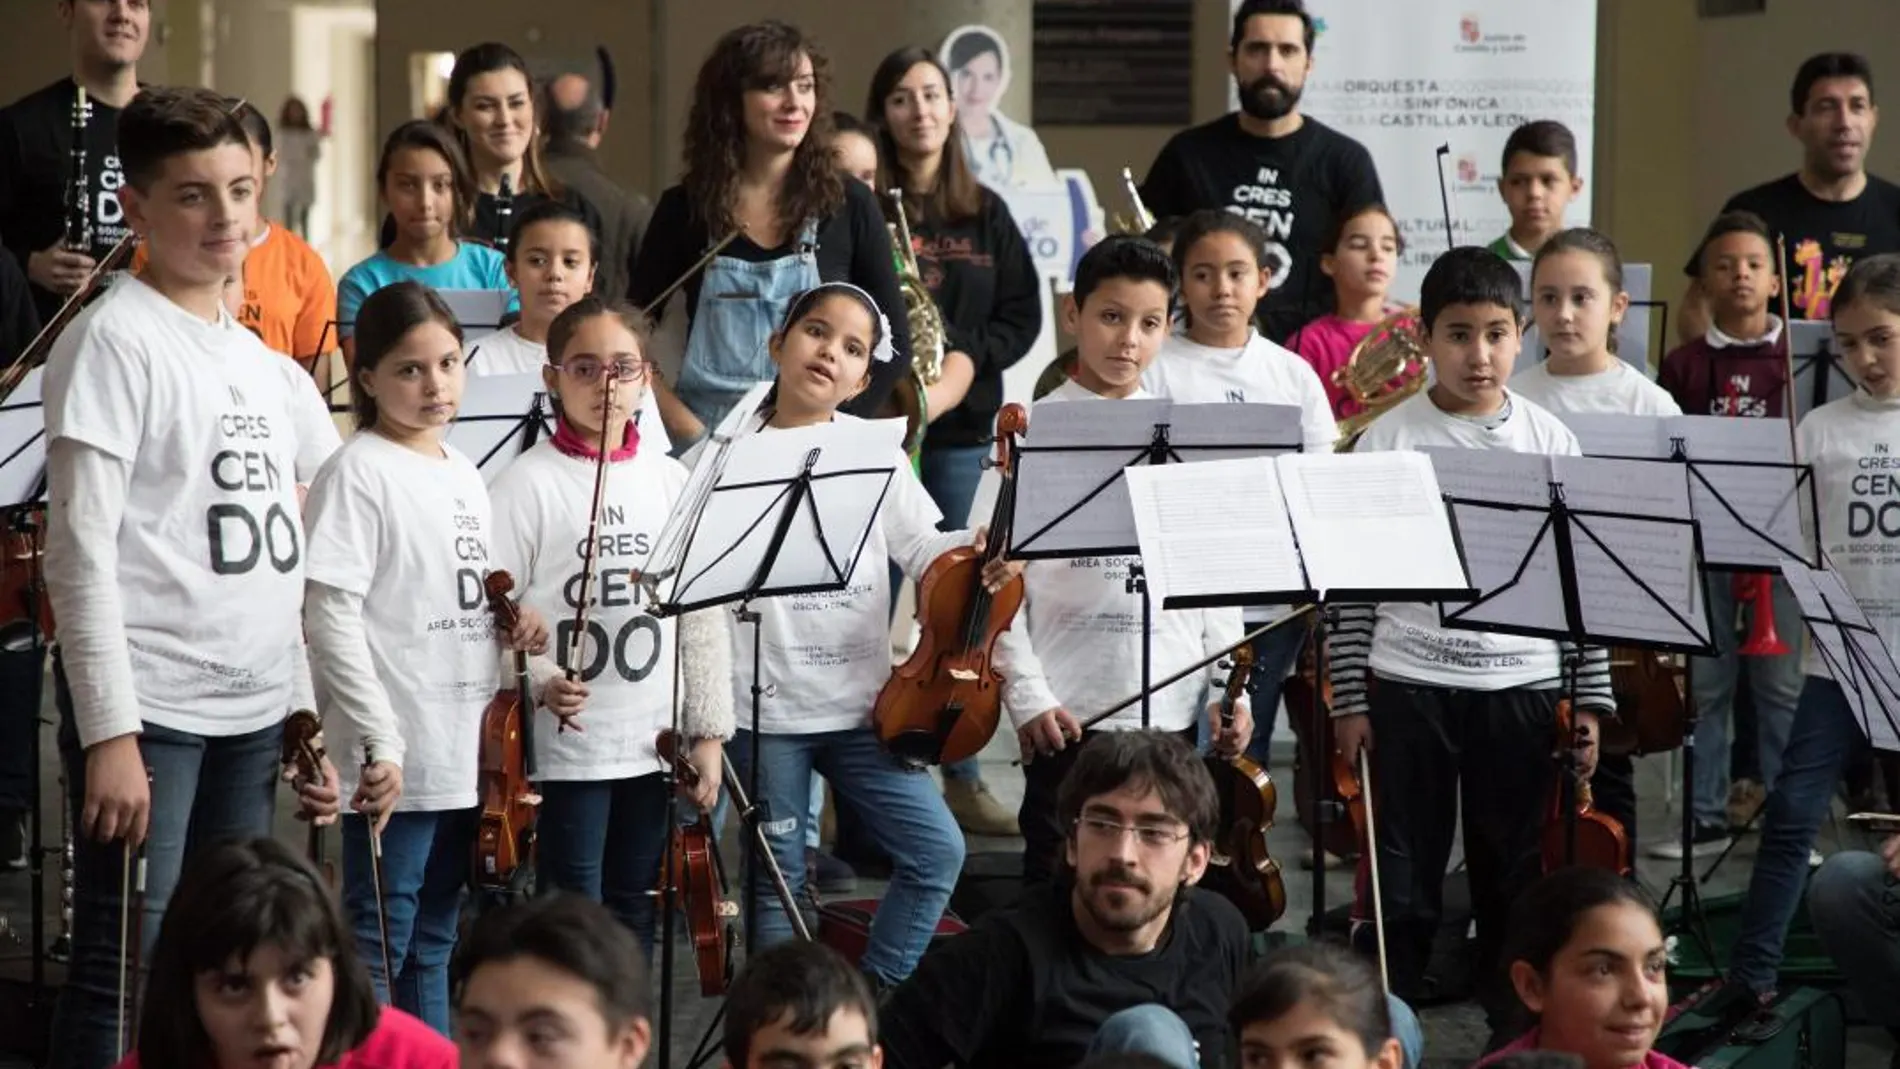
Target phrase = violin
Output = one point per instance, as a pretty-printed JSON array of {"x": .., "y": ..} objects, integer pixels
[
  {"x": 1250, "y": 877},
  {"x": 504, "y": 840},
  {"x": 1600, "y": 840},
  {"x": 1340, "y": 788},
  {"x": 944, "y": 702},
  {"x": 693, "y": 861},
  {"x": 304, "y": 753},
  {"x": 1649, "y": 690}
]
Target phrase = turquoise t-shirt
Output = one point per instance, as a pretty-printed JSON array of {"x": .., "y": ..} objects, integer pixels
[{"x": 473, "y": 267}]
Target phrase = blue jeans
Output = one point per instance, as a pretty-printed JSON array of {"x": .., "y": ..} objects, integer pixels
[
  {"x": 1825, "y": 735},
  {"x": 1774, "y": 682},
  {"x": 1274, "y": 655},
  {"x": 426, "y": 863},
  {"x": 604, "y": 839},
  {"x": 1856, "y": 911},
  {"x": 204, "y": 790},
  {"x": 904, "y": 814},
  {"x": 741, "y": 303},
  {"x": 950, "y": 476}
]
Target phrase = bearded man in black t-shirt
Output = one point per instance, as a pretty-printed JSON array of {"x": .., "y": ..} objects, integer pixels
[
  {"x": 1291, "y": 174},
  {"x": 107, "y": 38},
  {"x": 1831, "y": 212}
]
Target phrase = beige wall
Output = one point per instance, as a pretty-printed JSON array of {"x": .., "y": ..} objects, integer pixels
[{"x": 33, "y": 46}]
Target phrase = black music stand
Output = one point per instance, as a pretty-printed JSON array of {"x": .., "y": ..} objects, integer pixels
[
  {"x": 1070, "y": 497},
  {"x": 1855, "y": 653},
  {"x": 477, "y": 312},
  {"x": 1303, "y": 545},
  {"x": 762, "y": 518},
  {"x": 500, "y": 418},
  {"x": 1577, "y": 568},
  {"x": 1820, "y": 376}
]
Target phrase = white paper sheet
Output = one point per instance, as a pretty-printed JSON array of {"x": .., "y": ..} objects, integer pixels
[
  {"x": 1212, "y": 430},
  {"x": 491, "y": 424},
  {"x": 1852, "y": 650},
  {"x": 1608, "y": 434},
  {"x": 1496, "y": 476},
  {"x": 1637, "y": 580},
  {"x": 1750, "y": 514},
  {"x": 1754, "y": 441},
  {"x": 724, "y": 556},
  {"x": 1512, "y": 556},
  {"x": 1370, "y": 521},
  {"x": 704, "y": 461},
  {"x": 23, "y": 439},
  {"x": 1633, "y": 487},
  {"x": 1214, "y": 529}
]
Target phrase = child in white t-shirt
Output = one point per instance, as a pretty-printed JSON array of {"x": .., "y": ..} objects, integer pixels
[
  {"x": 1219, "y": 356},
  {"x": 175, "y": 551},
  {"x": 1577, "y": 297},
  {"x": 602, "y": 827},
  {"x": 1463, "y": 721},
  {"x": 403, "y": 645},
  {"x": 1081, "y": 626},
  {"x": 552, "y": 257},
  {"x": 824, "y": 656}
]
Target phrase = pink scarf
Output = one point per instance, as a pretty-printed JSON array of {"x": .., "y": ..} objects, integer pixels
[
  {"x": 570, "y": 443},
  {"x": 1529, "y": 1041}
]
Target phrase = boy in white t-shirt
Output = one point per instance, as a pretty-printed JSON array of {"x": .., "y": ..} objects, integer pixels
[
  {"x": 1082, "y": 624},
  {"x": 1848, "y": 442},
  {"x": 552, "y": 257},
  {"x": 175, "y": 550},
  {"x": 1463, "y": 720},
  {"x": 1218, "y": 356}
]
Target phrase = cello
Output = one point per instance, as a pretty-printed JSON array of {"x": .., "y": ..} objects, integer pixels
[
  {"x": 1249, "y": 877},
  {"x": 943, "y": 703},
  {"x": 504, "y": 839},
  {"x": 692, "y": 859},
  {"x": 1600, "y": 841}
]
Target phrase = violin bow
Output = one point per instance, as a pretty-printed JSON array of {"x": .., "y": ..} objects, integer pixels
[
  {"x": 376, "y": 886},
  {"x": 590, "y": 556},
  {"x": 1372, "y": 857}
]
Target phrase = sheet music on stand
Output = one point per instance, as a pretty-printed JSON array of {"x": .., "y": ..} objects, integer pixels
[
  {"x": 23, "y": 444},
  {"x": 1820, "y": 376},
  {"x": 500, "y": 418},
  {"x": 1071, "y": 500},
  {"x": 704, "y": 463},
  {"x": 735, "y": 539},
  {"x": 1852, "y": 649},
  {"x": 1301, "y": 527},
  {"x": 1745, "y": 490},
  {"x": 1583, "y": 549}
]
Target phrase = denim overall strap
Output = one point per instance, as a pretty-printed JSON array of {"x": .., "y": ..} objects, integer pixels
[{"x": 740, "y": 304}]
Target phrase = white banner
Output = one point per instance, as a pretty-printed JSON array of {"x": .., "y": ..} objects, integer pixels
[{"x": 1404, "y": 77}]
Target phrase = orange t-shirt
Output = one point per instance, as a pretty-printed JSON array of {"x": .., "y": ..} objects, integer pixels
[{"x": 289, "y": 300}]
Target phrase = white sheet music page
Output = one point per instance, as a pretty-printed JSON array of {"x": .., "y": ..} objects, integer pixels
[
  {"x": 1637, "y": 579},
  {"x": 1226, "y": 431},
  {"x": 1875, "y": 673},
  {"x": 1492, "y": 475},
  {"x": 1501, "y": 509},
  {"x": 1614, "y": 434},
  {"x": 1214, "y": 529},
  {"x": 23, "y": 441},
  {"x": 851, "y": 463},
  {"x": 491, "y": 422},
  {"x": 1352, "y": 513},
  {"x": 704, "y": 462},
  {"x": 1750, "y": 513},
  {"x": 1070, "y": 497},
  {"x": 1755, "y": 441}
]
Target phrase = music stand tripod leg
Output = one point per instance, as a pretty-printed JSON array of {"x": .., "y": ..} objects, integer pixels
[
  {"x": 1138, "y": 584},
  {"x": 1323, "y": 729},
  {"x": 1690, "y": 919}
]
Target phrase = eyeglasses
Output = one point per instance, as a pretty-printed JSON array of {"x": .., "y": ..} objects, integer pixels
[
  {"x": 588, "y": 369},
  {"x": 1150, "y": 836}
]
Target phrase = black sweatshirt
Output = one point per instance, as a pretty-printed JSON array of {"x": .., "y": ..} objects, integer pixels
[
  {"x": 1024, "y": 989},
  {"x": 980, "y": 273},
  {"x": 853, "y": 246},
  {"x": 36, "y": 142},
  {"x": 19, "y": 321}
]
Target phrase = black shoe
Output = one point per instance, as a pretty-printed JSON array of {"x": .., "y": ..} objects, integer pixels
[
  {"x": 12, "y": 839},
  {"x": 829, "y": 875}
]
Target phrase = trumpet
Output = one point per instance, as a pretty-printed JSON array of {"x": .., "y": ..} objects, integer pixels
[{"x": 1141, "y": 220}]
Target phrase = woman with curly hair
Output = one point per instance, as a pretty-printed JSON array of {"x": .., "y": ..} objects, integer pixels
[{"x": 758, "y": 161}]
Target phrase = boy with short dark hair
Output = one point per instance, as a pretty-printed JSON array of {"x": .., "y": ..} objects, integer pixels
[
  {"x": 1537, "y": 179},
  {"x": 801, "y": 1003},
  {"x": 174, "y": 553},
  {"x": 1737, "y": 368},
  {"x": 560, "y": 962},
  {"x": 1083, "y": 626},
  {"x": 1463, "y": 720}
]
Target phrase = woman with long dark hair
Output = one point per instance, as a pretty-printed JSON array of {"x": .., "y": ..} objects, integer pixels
[
  {"x": 758, "y": 161},
  {"x": 972, "y": 259},
  {"x": 491, "y": 110}
]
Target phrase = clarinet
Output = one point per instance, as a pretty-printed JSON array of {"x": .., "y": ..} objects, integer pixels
[
  {"x": 79, "y": 192},
  {"x": 504, "y": 214},
  {"x": 62, "y": 948}
]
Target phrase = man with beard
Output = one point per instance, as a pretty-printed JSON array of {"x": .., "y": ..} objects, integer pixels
[
  {"x": 1831, "y": 212},
  {"x": 1121, "y": 954},
  {"x": 1292, "y": 175},
  {"x": 106, "y": 38}
]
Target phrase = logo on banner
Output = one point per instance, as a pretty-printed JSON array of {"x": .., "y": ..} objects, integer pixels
[
  {"x": 1467, "y": 168},
  {"x": 1473, "y": 39},
  {"x": 1468, "y": 30}
]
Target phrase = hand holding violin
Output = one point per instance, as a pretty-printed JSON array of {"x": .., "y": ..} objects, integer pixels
[
  {"x": 1589, "y": 735},
  {"x": 318, "y": 802},
  {"x": 1352, "y": 734},
  {"x": 530, "y": 633},
  {"x": 703, "y": 791},
  {"x": 1050, "y": 732},
  {"x": 378, "y": 792},
  {"x": 998, "y": 573},
  {"x": 1230, "y": 740}
]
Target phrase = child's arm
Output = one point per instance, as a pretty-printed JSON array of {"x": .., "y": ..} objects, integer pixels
[
  {"x": 345, "y": 680},
  {"x": 86, "y": 492},
  {"x": 515, "y": 549}
]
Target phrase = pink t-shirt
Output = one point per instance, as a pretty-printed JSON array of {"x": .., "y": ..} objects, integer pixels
[
  {"x": 1528, "y": 1041},
  {"x": 398, "y": 1041},
  {"x": 1327, "y": 343}
]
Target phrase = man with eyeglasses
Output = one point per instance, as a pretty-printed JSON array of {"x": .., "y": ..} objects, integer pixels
[{"x": 1121, "y": 954}]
